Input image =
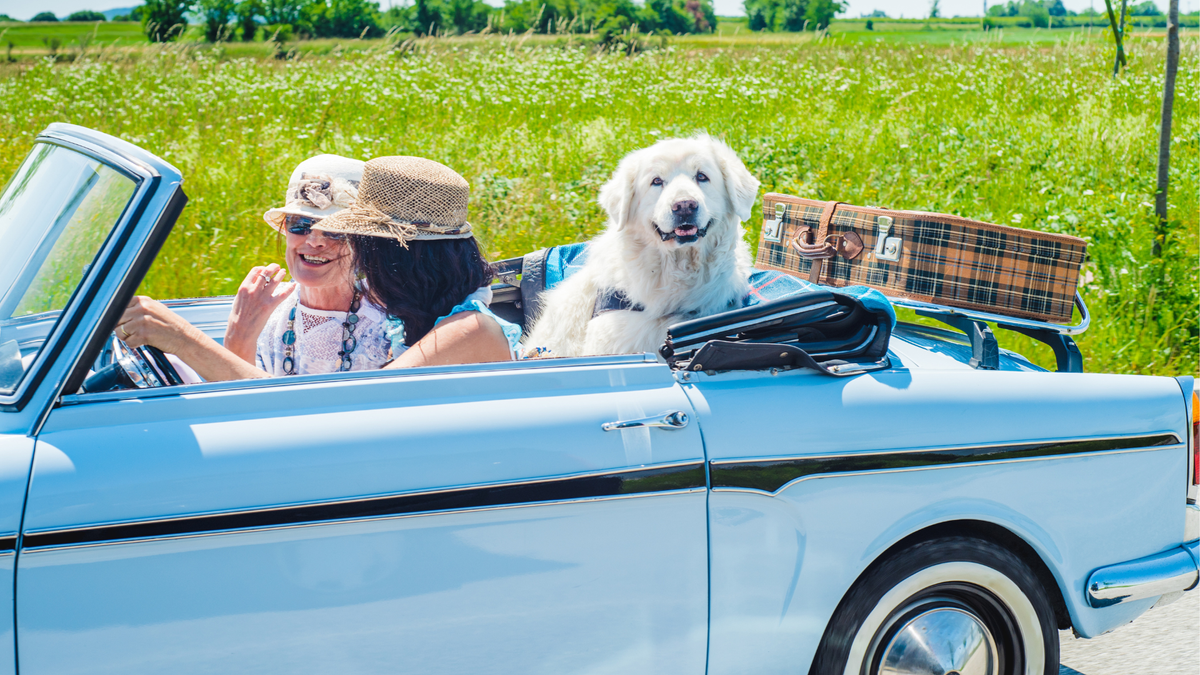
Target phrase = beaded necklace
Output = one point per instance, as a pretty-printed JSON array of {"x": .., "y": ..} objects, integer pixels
[{"x": 349, "y": 342}]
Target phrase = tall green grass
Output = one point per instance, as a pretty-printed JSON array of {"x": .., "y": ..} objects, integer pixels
[{"x": 1038, "y": 137}]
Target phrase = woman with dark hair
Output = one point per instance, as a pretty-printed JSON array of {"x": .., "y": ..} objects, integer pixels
[{"x": 419, "y": 260}]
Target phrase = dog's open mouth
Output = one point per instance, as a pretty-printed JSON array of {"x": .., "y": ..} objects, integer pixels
[{"x": 685, "y": 233}]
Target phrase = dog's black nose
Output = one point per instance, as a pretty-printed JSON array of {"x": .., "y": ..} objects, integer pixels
[{"x": 684, "y": 209}]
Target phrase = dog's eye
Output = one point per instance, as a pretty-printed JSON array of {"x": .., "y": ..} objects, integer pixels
[
  {"x": 656, "y": 181},
  {"x": 700, "y": 177}
]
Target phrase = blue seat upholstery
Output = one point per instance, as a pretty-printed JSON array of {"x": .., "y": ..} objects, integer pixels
[{"x": 765, "y": 285}]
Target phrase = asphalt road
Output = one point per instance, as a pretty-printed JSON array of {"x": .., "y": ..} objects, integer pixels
[{"x": 1163, "y": 641}]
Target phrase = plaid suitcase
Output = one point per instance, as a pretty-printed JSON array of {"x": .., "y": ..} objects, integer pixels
[{"x": 928, "y": 257}]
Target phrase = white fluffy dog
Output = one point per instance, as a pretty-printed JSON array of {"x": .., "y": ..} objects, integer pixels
[{"x": 673, "y": 250}]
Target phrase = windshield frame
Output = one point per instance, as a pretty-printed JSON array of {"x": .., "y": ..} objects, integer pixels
[{"x": 150, "y": 174}]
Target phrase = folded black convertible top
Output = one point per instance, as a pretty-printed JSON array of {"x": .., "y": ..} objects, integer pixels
[{"x": 831, "y": 332}]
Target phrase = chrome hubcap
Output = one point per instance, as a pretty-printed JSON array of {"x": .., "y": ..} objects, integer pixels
[{"x": 943, "y": 641}]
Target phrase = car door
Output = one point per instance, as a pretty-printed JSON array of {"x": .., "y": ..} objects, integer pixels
[
  {"x": 454, "y": 520},
  {"x": 444, "y": 519},
  {"x": 16, "y": 450},
  {"x": 76, "y": 209}
]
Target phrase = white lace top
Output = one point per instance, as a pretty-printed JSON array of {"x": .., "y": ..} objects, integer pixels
[{"x": 319, "y": 339}]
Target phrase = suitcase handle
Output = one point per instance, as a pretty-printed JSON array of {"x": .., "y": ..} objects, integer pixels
[
  {"x": 848, "y": 245},
  {"x": 802, "y": 241},
  {"x": 814, "y": 251}
]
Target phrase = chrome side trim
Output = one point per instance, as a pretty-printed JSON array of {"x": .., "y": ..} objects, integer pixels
[
  {"x": 367, "y": 498},
  {"x": 935, "y": 468},
  {"x": 1172, "y": 571},
  {"x": 631, "y": 481},
  {"x": 771, "y": 475},
  {"x": 1084, "y": 322},
  {"x": 369, "y": 519},
  {"x": 773, "y": 458}
]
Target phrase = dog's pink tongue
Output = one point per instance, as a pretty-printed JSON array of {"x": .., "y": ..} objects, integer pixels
[{"x": 684, "y": 231}]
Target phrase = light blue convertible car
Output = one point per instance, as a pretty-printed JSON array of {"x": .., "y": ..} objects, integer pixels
[{"x": 899, "y": 507}]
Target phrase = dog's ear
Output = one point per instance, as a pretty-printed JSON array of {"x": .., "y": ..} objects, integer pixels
[
  {"x": 741, "y": 185},
  {"x": 617, "y": 194}
]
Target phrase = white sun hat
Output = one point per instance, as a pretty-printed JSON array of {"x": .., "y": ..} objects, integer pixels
[{"x": 320, "y": 186}]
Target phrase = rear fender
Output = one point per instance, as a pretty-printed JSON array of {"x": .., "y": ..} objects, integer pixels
[{"x": 983, "y": 519}]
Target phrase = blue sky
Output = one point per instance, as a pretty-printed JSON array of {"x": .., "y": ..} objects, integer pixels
[{"x": 24, "y": 9}]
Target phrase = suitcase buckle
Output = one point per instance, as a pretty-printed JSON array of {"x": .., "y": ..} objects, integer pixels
[
  {"x": 773, "y": 227},
  {"x": 887, "y": 248}
]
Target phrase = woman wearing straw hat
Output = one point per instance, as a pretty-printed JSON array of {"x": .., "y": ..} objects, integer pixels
[
  {"x": 413, "y": 246},
  {"x": 416, "y": 252},
  {"x": 319, "y": 324}
]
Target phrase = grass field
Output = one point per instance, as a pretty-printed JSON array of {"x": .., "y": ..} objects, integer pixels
[{"x": 1034, "y": 135}]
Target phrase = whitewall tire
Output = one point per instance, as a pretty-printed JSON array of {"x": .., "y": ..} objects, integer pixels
[{"x": 954, "y": 605}]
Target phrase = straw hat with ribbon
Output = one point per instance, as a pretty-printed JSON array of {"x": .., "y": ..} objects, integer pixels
[
  {"x": 319, "y": 187},
  {"x": 406, "y": 198}
]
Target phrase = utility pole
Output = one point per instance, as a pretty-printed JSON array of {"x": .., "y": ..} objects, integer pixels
[
  {"x": 1118, "y": 30},
  {"x": 1164, "y": 135}
]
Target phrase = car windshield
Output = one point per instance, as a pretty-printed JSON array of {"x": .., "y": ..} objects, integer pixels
[{"x": 55, "y": 214}]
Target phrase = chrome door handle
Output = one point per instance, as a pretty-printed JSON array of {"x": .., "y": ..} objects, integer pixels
[{"x": 671, "y": 420}]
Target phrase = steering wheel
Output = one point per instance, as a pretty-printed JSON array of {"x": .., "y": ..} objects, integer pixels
[
  {"x": 133, "y": 367},
  {"x": 146, "y": 366}
]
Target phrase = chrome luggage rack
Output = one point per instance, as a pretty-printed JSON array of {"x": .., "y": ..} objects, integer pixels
[{"x": 984, "y": 348}]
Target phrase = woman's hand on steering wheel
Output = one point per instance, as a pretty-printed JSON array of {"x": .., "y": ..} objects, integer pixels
[
  {"x": 148, "y": 322},
  {"x": 258, "y": 296}
]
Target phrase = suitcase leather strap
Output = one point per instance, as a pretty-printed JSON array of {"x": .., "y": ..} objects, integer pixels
[{"x": 822, "y": 246}]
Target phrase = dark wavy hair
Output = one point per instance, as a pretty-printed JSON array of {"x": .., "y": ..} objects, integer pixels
[{"x": 422, "y": 282}]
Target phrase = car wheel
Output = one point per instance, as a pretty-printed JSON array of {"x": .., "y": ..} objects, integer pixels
[{"x": 949, "y": 606}]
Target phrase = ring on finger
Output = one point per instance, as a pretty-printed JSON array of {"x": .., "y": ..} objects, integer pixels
[{"x": 122, "y": 327}]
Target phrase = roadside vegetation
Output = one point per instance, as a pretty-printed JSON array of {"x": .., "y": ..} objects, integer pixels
[{"x": 1036, "y": 135}]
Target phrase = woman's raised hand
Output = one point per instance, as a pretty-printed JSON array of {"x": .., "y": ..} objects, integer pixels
[{"x": 258, "y": 296}]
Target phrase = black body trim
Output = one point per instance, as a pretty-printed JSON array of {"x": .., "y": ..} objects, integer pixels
[
  {"x": 8, "y": 544},
  {"x": 772, "y": 474},
  {"x": 614, "y": 484}
]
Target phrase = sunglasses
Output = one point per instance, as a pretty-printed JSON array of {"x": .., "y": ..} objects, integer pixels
[{"x": 303, "y": 226}]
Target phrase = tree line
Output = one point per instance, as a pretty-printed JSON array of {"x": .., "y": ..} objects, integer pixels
[
  {"x": 82, "y": 15},
  {"x": 791, "y": 15},
  {"x": 673, "y": 17},
  {"x": 1056, "y": 8},
  {"x": 1051, "y": 13},
  {"x": 244, "y": 19}
]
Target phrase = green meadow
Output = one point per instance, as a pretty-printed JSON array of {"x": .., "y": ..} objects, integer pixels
[
  {"x": 34, "y": 38},
  {"x": 1000, "y": 126}
]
